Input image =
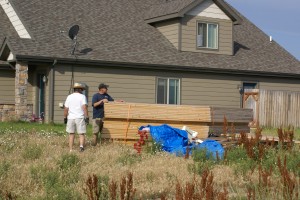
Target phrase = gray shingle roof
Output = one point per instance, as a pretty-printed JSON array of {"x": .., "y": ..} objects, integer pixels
[
  {"x": 166, "y": 8},
  {"x": 115, "y": 30}
]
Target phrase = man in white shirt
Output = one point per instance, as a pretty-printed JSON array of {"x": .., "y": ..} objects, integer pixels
[{"x": 76, "y": 115}]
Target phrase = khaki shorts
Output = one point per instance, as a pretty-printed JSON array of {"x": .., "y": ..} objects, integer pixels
[
  {"x": 77, "y": 125},
  {"x": 97, "y": 125}
]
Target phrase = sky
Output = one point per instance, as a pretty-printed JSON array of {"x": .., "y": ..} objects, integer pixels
[{"x": 277, "y": 18}]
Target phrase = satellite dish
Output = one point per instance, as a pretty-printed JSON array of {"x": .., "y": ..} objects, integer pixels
[{"x": 73, "y": 32}]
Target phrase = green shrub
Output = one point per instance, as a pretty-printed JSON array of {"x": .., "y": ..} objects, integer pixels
[
  {"x": 37, "y": 173},
  {"x": 32, "y": 152},
  {"x": 202, "y": 161},
  {"x": 103, "y": 187},
  {"x": 153, "y": 147},
  {"x": 235, "y": 155},
  {"x": 68, "y": 161},
  {"x": 55, "y": 187},
  {"x": 51, "y": 179},
  {"x": 199, "y": 155}
]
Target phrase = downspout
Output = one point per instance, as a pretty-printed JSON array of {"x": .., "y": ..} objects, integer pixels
[{"x": 51, "y": 93}]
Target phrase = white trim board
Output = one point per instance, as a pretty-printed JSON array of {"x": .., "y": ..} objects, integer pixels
[{"x": 14, "y": 19}]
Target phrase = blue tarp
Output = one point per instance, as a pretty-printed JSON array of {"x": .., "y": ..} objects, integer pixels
[{"x": 174, "y": 140}]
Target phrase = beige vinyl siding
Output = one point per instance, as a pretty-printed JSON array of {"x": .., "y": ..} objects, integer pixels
[
  {"x": 212, "y": 90},
  {"x": 170, "y": 29},
  {"x": 7, "y": 86},
  {"x": 128, "y": 85},
  {"x": 189, "y": 35},
  {"x": 30, "y": 87},
  {"x": 280, "y": 85},
  {"x": 208, "y": 9},
  {"x": 140, "y": 86}
]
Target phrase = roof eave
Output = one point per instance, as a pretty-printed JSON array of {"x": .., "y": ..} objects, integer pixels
[
  {"x": 162, "y": 18},
  {"x": 50, "y": 60},
  {"x": 229, "y": 11},
  {"x": 225, "y": 8},
  {"x": 5, "y": 49}
]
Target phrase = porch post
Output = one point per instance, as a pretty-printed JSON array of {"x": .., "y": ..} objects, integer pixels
[{"x": 21, "y": 82}]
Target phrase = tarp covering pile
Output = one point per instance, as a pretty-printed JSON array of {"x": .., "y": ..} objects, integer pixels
[{"x": 176, "y": 141}]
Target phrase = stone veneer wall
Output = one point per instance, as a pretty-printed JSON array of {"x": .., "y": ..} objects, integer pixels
[
  {"x": 8, "y": 112},
  {"x": 21, "y": 82}
]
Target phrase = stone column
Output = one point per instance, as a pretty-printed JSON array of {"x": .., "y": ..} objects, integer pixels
[{"x": 21, "y": 82}]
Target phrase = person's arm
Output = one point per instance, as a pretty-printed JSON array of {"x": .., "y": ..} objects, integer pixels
[
  {"x": 110, "y": 98},
  {"x": 97, "y": 102},
  {"x": 85, "y": 111},
  {"x": 101, "y": 102},
  {"x": 66, "y": 112}
]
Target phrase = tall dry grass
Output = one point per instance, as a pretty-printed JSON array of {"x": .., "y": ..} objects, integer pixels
[{"x": 40, "y": 166}]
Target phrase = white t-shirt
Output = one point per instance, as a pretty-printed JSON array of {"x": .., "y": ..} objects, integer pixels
[{"x": 75, "y": 102}]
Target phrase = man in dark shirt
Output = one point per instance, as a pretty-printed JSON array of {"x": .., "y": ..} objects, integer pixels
[{"x": 98, "y": 101}]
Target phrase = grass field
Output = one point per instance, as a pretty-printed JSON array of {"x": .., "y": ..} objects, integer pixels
[{"x": 35, "y": 163}]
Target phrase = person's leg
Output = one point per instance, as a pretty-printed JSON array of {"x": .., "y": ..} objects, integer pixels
[
  {"x": 96, "y": 129},
  {"x": 81, "y": 130},
  {"x": 71, "y": 140},
  {"x": 71, "y": 130},
  {"x": 82, "y": 140},
  {"x": 101, "y": 126}
]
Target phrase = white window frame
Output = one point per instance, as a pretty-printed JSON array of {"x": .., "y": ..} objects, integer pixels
[
  {"x": 168, "y": 90},
  {"x": 197, "y": 33}
]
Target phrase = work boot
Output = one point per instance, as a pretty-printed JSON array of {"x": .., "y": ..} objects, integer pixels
[
  {"x": 95, "y": 140},
  {"x": 81, "y": 149}
]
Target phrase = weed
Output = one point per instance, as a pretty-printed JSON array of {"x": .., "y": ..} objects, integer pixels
[
  {"x": 113, "y": 186},
  {"x": 7, "y": 195},
  {"x": 290, "y": 185},
  {"x": 92, "y": 189},
  {"x": 128, "y": 159},
  {"x": 32, "y": 152},
  {"x": 153, "y": 147},
  {"x": 55, "y": 189},
  {"x": 37, "y": 173},
  {"x": 97, "y": 189},
  {"x": 150, "y": 176},
  {"x": 68, "y": 161},
  {"x": 51, "y": 179},
  {"x": 4, "y": 168},
  {"x": 205, "y": 189}
]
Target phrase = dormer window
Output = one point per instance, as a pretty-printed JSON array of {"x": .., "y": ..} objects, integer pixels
[{"x": 207, "y": 35}]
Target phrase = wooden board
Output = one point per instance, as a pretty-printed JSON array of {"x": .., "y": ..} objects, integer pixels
[
  {"x": 218, "y": 130},
  {"x": 123, "y": 129},
  {"x": 157, "y": 112},
  {"x": 235, "y": 115},
  {"x": 122, "y": 120}
]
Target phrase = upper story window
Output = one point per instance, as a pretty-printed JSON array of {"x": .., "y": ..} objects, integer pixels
[
  {"x": 207, "y": 35},
  {"x": 168, "y": 91}
]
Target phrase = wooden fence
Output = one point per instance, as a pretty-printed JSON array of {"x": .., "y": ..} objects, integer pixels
[{"x": 274, "y": 108}]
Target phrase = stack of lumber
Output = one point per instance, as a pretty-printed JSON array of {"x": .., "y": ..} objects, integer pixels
[{"x": 122, "y": 120}]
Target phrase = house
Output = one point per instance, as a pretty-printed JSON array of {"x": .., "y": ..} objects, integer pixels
[{"x": 190, "y": 52}]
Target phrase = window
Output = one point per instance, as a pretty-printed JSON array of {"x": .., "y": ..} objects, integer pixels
[
  {"x": 249, "y": 86},
  {"x": 207, "y": 35},
  {"x": 168, "y": 91}
]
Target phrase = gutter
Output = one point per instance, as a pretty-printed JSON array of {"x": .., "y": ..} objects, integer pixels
[{"x": 128, "y": 65}]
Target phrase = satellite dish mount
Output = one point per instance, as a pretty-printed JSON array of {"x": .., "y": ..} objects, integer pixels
[{"x": 73, "y": 32}]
